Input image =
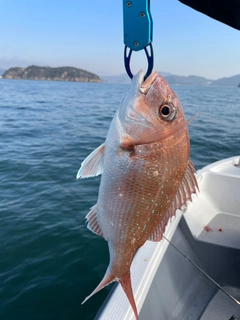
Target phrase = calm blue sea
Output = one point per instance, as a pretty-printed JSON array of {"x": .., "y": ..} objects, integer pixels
[{"x": 49, "y": 260}]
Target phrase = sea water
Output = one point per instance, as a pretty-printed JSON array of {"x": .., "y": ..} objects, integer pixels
[{"x": 49, "y": 260}]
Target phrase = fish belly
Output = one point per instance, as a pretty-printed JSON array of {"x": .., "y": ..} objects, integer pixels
[{"x": 135, "y": 193}]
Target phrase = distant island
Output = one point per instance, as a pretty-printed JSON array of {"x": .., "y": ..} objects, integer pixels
[{"x": 48, "y": 73}]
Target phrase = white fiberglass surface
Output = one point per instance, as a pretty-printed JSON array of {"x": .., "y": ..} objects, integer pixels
[{"x": 214, "y": 214}]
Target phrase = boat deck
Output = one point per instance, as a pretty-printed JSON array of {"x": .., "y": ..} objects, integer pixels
[
  {"x": 180, "y": 291},
  {"x": 220, "y": 308}
]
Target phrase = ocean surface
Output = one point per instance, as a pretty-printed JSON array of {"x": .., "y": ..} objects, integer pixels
[{"x": 49, "y": 260}]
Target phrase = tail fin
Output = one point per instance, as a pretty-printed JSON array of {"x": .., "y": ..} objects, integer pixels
[
  {"x": 125, "y": 283},
  {"x": 107, "y": 279},
  {"x": 127, "y": 287}
]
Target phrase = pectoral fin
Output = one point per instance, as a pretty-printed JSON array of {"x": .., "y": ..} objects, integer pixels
[{"x": 93, "y": 164}]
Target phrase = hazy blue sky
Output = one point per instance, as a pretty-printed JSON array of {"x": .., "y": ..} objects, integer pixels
[{"x": 89, "y": 35}]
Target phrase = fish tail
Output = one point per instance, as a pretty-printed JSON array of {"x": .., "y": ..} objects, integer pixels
[
  {"x": 125, "y": 283},
  {"x": 107, "y": 279},
  {"x": 127, "y": 287}
]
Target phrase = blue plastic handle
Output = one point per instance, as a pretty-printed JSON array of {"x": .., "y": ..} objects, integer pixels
[{"x": 137, "y": 24}]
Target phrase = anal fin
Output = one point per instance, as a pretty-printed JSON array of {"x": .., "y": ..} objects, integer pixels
[{"x": 93, "y": 221}]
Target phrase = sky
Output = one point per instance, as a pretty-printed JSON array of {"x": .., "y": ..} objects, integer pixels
[{"x": 89, "y": 35}]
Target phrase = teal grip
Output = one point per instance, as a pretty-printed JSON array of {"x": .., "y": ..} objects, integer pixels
[{"x": 137, "y": 24}]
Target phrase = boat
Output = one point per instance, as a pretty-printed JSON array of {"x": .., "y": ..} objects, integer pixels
[{"x": 168, "y": 285}]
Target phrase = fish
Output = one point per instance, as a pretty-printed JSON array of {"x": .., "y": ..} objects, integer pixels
[{"x": 146, "y": 175}]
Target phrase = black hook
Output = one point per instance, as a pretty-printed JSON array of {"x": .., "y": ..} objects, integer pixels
[{"x": 127, "y": 58}]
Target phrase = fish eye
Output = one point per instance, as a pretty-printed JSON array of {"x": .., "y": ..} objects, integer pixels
[{"x": 167, "y": 111}]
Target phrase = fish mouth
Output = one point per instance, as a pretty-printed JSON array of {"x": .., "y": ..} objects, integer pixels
[
  {"x": 140, "y": 87},
  {"x": 146, "y": 84}
]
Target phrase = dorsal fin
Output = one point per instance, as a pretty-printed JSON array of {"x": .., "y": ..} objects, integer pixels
[
  {"x": 93, "y": 164},
  {"x": 93, "y": 221},
  {"x": 187, "y": 187}
]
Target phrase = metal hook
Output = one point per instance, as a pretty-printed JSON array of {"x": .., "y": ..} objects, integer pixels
[{"x": 150, "y": 58}]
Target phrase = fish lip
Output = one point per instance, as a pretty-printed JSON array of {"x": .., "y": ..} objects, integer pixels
[
  {"x": 146, "y": 84},
  {"x": 142, "y": 87}
]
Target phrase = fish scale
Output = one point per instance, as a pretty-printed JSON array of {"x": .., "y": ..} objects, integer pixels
[{"x": 146, "y": 175}]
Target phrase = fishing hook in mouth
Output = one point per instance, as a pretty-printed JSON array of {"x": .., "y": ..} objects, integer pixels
[{"x": 150, "y": 59}]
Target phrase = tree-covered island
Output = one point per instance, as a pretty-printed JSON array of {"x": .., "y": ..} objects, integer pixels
[{"x": 48, "y": 73}]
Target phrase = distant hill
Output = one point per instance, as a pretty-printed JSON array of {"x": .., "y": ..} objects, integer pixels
[
  {"x": 181, "y": 80},
  {"x": 47, "y": 73},
  {"x": 189, "y": 80},
  {"x": 121, "y": 78},
  {"x": 124, "y": 78},
  {"x": 230, "y": 81},
  {"x": 2, "y": 71},
  {"x": 171, "y": 79}
]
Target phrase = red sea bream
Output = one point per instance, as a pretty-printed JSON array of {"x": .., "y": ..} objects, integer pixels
[{"x": 146, "y": 175}]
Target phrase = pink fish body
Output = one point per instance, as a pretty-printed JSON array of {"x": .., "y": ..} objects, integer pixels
[{"x": 146, "y": 174}]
